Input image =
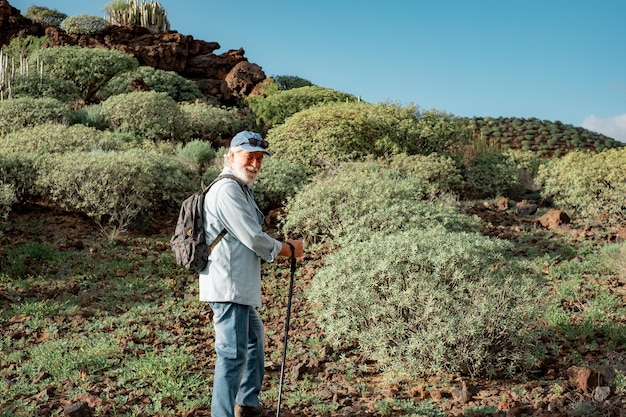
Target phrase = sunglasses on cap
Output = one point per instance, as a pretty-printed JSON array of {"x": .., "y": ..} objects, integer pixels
[{"x": 258, "y": 143}]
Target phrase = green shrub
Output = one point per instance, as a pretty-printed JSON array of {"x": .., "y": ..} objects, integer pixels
[
  {"x": 19, "y": 170},
  {"x": 176, "y": 86},
  {"x": 592, "y": 185},
  {"x": 438, "y": 174},
  {"x": 275, "y": 108},
  {"x": 212, "y": 172},
  {"x": 115, "y": 188},
  {"x": 45, "y": 16},
  {"x": 89, "y": 68},
  {"x": 490, "y": 175},
  {"x": 174, "y": 182},
  {"x": 360, "y": 199},
  {"x": 436, "y": 132},
  {"x": 23, "y": 112},
  {"x": 42, "y": 86},
  {"x": 55, "y": 138},
  {"x": 148, "y": 115},
  {"x": 7, "y": 199},
  {"x": 84, "y": 24},
  {"x": 212, "y": 123},
  {"x": 215, "y": 168},
  {"x": 289, "y": 82},
  {"x": 424, "y": 301},
  {"x": 197, "y": 155},
  {"x": 278, "y": 180},
  {"x": 527, "y": 164},
  {"x": 91, "y": 116},
  {"x": 325, "y": 135}
]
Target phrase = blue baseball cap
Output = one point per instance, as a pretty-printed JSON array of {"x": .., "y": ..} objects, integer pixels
[{"x": 250, "y": 142}]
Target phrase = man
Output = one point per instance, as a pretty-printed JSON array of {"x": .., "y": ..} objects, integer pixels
[{"x": 231, "y": 282}]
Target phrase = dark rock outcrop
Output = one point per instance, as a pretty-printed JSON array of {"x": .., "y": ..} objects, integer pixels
[{"x": 225, "y": 77}]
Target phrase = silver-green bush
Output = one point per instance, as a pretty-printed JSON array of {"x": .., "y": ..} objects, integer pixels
[
  {"x": 439, "y": 174},
  {"x": 197, "y": 154},
  {"x": 38, "y": 86},
  {"x": 114, "y": 188},
  {"x": 423, "y": 301},
  {"x": 7, "y": 199},
  {"x": 279, "y": 179},
  {"x": 591, "y": 185},
  {"x": 19, "y": 169},
  {"x": 23, "y": 112},
  {"x": 360, "y": 199},
  {"x": 55, "y": 138},
  {"x": 212, "y": 123},
  {"x": 148, "y": 115},
  {"x": 84, "y": 24}
]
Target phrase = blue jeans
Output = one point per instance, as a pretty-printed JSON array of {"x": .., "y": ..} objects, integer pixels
[{"x": 240, "y": 348}]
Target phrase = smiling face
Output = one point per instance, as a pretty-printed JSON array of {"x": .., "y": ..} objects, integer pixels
[{"x": 246, "y": 165}]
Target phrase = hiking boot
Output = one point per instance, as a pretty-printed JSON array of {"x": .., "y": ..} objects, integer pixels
[{"x": 243, "y": 411}]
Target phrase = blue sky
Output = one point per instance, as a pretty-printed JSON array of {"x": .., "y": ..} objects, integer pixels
[{"x": 554, "y": 60}]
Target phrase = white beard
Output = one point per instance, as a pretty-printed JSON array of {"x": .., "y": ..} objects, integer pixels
[{"x": 245, "y": 175}]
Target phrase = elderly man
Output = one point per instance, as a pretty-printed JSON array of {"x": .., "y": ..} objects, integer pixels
[{"x": 231, "y": 282}]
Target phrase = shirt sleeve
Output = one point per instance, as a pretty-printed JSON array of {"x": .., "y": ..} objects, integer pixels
[{"x": 240, "y": 216}]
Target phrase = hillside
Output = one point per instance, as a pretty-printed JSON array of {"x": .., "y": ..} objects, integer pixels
[
  {"x": 547, "y": 138},
  {"x": 223, "y": 77},
  {"x": 99, "y": 321}
]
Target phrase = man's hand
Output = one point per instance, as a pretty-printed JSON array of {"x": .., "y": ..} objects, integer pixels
[{"x": 298, "y": 247}]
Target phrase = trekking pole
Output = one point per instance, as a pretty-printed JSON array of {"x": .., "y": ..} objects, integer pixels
[{"x": 286, "y": 336}]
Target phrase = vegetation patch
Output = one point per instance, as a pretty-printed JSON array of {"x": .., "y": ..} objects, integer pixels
[{"x": 426, "y": 301}]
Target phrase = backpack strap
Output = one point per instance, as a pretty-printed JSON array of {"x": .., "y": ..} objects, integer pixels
[{"x": 223, "y": 232}]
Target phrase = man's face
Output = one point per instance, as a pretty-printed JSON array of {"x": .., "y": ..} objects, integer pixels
[{"x": 247, "y": 165}]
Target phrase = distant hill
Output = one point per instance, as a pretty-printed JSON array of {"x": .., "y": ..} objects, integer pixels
[{"x": 544, "y": 137}]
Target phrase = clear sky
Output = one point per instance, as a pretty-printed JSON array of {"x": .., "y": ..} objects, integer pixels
[{"x": 553, "y": 60}]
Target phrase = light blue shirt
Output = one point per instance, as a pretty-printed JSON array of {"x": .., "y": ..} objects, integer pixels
[{"x": 233, "y": 273}]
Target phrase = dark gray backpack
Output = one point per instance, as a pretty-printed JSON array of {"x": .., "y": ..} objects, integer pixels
[{"x": 191, "y": 251}]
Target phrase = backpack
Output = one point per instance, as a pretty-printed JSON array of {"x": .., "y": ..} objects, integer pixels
[{"x": 191, "y": 251}]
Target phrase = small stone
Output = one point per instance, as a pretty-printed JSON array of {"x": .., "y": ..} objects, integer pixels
[
  {"x": 601, "y": 393},
  {"x": 460, "y": 395}
]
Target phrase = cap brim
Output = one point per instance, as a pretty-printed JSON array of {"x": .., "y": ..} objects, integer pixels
[{"x": 249, "y": 148}]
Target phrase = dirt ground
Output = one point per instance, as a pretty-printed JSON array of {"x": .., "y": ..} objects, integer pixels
[{"x": 556, "y": 387}]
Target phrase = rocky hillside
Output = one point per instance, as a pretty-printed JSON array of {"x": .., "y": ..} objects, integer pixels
[{"x": 224, "y": 77}]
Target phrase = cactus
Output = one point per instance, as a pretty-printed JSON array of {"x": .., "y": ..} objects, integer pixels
[{"x": 150, "y": 15}]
